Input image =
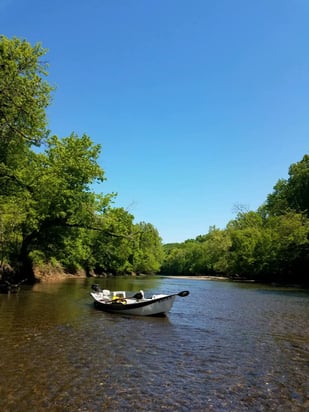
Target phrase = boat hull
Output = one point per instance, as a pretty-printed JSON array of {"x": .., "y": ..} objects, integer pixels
[{"x": 148, "y": 307}]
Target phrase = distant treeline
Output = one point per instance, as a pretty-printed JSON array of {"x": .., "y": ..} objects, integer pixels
[
  {"x": 51, "y": 218},
  {"x": 269, "y": 245}
]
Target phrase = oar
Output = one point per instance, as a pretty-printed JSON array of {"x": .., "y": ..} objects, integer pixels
[{"x": 183, "y": 293}]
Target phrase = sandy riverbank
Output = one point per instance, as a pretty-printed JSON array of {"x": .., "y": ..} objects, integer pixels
[{"x": 198, "y": 277}]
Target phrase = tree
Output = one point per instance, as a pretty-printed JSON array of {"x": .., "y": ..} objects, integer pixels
[
  {"x": 298, "y": 182},
  {"x": 175, "y": 260},
  {"x": 216, "y": 247},
  {"x": 148, "y": 255},
  {"x": 24, "y": 96},
  {"x": 242, "y": 253},
  {"x": 57, "y": 198},
  {"x": 291, "y": 194},
  {"x": 10, "y": 220},
  {"x": 113, "y": 246},
  {"x": 23, "y": 99},
  {"x": 289, "y": 256},
  {"x": 48, "y": 209}
]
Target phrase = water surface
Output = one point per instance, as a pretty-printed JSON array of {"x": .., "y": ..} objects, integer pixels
[{"x": 225, "y": 347}]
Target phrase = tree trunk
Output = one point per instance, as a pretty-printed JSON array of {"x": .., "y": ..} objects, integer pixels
[{"x": 24, "y": 264}]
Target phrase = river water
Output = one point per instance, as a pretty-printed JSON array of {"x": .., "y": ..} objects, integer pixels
[{"x": 225, "y": 347}]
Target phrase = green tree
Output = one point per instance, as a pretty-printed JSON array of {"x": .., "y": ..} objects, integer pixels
[
  {"x": 148, "y": 255},
  {"x": 269, "y": 249},
  {"x": 205, "y": 255},
  {"x": 24, "y": 96},
  {"x": 175, "y": 260},
  {"x": 48, "y": 211},
  {"x": 298, "y": 182},
  {"x": 242, "y": 253},
  {"x": 10, "y": 220},
  {"x": 216, "y": 247},
  {"x": 288, "y": 258},
  {"x": 57, "y": 198},
  {"x": 112, "y": 247},
  {"x": 290, "y": 194}
]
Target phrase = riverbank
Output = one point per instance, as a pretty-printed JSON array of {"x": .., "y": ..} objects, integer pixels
[
  {"x": 48, "y": 273},
  {"x": 198, "y": 277}
]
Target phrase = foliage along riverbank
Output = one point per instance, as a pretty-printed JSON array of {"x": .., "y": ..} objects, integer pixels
[
  {"x": 267, "y": 245},
  {"x": 48, "y": 213},
  {"x": 50, "y": 218}
]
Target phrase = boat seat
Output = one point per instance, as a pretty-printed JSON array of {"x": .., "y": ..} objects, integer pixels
[
  {"x": 139, "y": 295},
  {"x": 106, "y": 293},
  {"x": 119, "y": 294}
]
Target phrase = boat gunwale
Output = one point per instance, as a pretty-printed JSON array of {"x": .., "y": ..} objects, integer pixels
[{"x": 118, "y": 306}]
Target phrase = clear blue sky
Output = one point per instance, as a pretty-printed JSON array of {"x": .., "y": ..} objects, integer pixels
[{"x": 198, "y": 105}]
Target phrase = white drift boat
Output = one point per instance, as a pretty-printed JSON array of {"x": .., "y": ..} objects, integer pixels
[{"x": 138, "y": 304}]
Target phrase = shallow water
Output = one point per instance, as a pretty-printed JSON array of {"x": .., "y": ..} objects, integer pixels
[{"x": 225, "y": 347}]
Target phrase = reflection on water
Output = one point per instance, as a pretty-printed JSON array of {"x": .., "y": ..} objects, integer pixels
[{"x": 225, "y": 347}]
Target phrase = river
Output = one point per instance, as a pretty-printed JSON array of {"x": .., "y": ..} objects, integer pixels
[{"x": 226, "y": 347}]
